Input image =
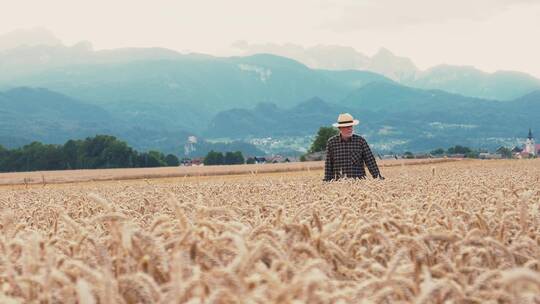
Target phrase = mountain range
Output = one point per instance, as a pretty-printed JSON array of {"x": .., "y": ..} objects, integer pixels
[
  {"x": 156, "y": 98},
  {"x": 464, "y": 80},
  {"x": 186, "y": 92},
  {"x": 26, "y": 52},
  {"x": 401, "y": 119},
  {"x": 30, "y": 114},
  {"x": 394, "y": 118}
]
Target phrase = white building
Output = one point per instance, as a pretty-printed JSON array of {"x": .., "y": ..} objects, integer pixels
[
  {"x": 530, "y": 146},
  {"x": 189, "y": 146}
]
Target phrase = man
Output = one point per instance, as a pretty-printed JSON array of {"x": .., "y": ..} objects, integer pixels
[{"x": 346, "y": 153}]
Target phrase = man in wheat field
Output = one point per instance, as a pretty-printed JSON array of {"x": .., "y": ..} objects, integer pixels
[{"x": 346, "y": 153}]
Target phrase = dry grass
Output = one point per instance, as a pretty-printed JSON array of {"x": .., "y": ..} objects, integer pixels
[
  {"x": 465, "y": 232},
  {"x": 74, "y": 176}
]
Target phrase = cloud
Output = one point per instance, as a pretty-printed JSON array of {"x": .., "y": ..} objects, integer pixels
[{"x": 391, "y": 14}]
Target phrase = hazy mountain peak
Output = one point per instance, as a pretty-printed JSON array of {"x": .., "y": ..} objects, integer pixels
[
  {"x": 464, "y": 80},
  {"x": 266, "y": 107},
  {"x": 28, "y": 37},
  {"x": 271, "y": 59},
  {"x": 383, "y": 53},
  {"x": 470, "y": 81},
  {"x": 397, "y": 68},
  {"x": 335, "y": 57},
  {"x": 26, "y": 93},
  {"x": 24, "y": 90},
  {"x": 84, "y": 46},
  {"x": 447, "y": 67},
  {"x": 331, "y": 57},
  {"x": 313, "y": 104},
  {"x": 533, "y": 96}
]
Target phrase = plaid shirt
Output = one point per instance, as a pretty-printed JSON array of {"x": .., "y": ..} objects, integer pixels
[{"x": 347, "y": 158}]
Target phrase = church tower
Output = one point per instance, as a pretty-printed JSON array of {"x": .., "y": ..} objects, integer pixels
[{"x": 530, "y": 146}]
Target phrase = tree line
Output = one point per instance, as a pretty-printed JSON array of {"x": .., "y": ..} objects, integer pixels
[
  {"x": 470, "y": 153},
  {"x": 218, "y": 158},
  {"x": 324, "y": 133},
  {"x": 99, "y": 152}
]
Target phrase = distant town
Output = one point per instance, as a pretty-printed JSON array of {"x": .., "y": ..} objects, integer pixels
[{"x": 528, "y": 150}]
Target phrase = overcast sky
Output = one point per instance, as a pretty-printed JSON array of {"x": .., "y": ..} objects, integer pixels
[{"x": 489, "y": 34}]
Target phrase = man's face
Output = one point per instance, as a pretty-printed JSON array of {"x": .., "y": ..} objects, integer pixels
[{"x": 346, "y": 132}]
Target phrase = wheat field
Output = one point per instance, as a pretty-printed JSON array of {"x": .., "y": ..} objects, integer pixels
[
  {"x": 460, "y": 232},
  {"x": 77, "y": 176}
]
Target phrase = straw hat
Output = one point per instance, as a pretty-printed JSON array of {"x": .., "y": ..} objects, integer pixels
[{"x": 345, "y": 120}]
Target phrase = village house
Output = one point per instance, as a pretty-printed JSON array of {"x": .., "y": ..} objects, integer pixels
[
  {"x": 197, "y": 161},
  {"x": 487, "y": 155}
]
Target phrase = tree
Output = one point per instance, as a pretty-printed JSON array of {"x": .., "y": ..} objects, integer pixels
[
  {"x": 117, "y": 154},
  {"x": 233, "y": 158},
  {"x": 213, "y": 158},
  {"x": 319, "y": 144},
  {"x": 459, "y": 150},
  {"x": 38, "y": 156},
  {"x": 4, "y": 154},
  {"x": 71, "y": 154},
  {"x": 408, "y": 154},
  {"x": 92, "y": 151},
  {"x": 238, "y": 157},
  {"x": 172, "y": 160},
  {"x": 13, "y": 161},
  {"x": 51, "y": 158},
  {"x": 439, "y": 151},
  {"x": 101, "y": 151},
  {"x": 472, "y": 154},
  {"x": 156, "y": 159},
  {"x": 229, "y": 158},
  {"x": 505, "y": 152},
  {"x": 250, "y": 160}
]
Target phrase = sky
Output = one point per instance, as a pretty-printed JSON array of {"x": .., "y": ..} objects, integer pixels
[{"x": 488, "y": 34}]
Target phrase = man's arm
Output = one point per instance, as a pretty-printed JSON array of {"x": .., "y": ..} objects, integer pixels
[
  {"x": 370, "y": 161},
  {"x": 328, "y": 164}
]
